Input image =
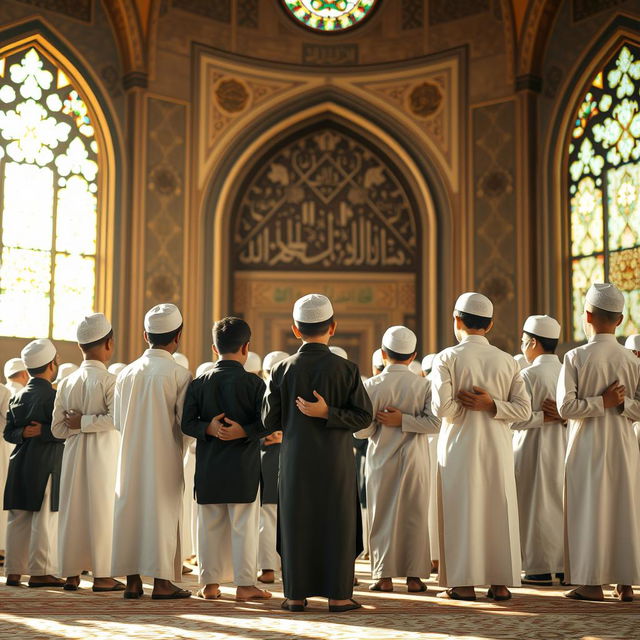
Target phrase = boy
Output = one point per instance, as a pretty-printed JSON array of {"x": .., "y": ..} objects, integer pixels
[
  {"x": 633, "y": 343},
  {"x": 83, "y": 417},
  {"x": 599, "y": 394},
  {"x": 398, "y": 466},
  {"x": 148, "y": 400},
  {"x": 32, "y": 491},
  {"x": 268, "y": 558},
  {"x": 222, "y": 411},
  {"x": 318, "y": 400},
  {"x": 477, "y": 391},
  {"x": 539, "y": 446}
]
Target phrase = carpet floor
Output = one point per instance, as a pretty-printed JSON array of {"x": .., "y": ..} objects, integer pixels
[{"x": 532, "y": 614}]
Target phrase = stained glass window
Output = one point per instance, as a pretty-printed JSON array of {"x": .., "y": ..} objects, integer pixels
[
  {"x": 330, "y": 15},
  {"x": 604, "y": 188},
  {"x": 48, "y": 199}
]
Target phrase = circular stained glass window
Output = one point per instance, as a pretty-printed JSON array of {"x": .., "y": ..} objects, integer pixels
[{"x": 330, "y": 15}]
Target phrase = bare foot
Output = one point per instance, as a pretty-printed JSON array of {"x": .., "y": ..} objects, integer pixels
[
  {"x": 45, "y": 579},
  {"x": 338, "y": 603},
  {"x": 210, "y": 592},
  {"x": 586, "y": 592},
  {"x": 415, "y": 585},
  {"x": 105, "y": 583},
  {"x": 465, "y": 592},
  {"x": 435, "y": 565},
  {"x": 383, "y": 584},
  {"x": 500, "y": 591},
  {"x": 164, "y": 587},
  {"x": 268, "y": 576},
  {"x": 134, "y": 584},
  {"x": 252, "y": 593},
  {"x": 623, "y": 592}
]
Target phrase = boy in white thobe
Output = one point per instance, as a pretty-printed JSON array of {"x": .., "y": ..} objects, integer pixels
[
  {"x": 539, "y": 446},
  {"x": 398, "y": 466},
  {"x": 633, "y": 343},
  {"x": 268, "y": 558},
  {"x": 477, "y": 391},
  {"x": 83, "y": 417},
  {"x": 427, "y": 364},
  {"x": 148, "y": 402},
  {"x": 599, "y": 394}
]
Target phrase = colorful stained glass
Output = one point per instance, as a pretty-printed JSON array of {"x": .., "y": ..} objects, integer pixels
[
  {"x": 586, "y": 219},
  {"x": 49, "y": 205},
  {"x": 583, "y": 273},
  {"x": 329, "y": 15},
  {"x": 604, "y": 167}
]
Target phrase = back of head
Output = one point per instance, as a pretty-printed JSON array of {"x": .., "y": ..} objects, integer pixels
[
  {"x": 162, "y": 324},
  {"x": 204, "y": 367},
  {"x": 399, "y": 343},
  {"x": 13, "y": 366},
  {"x": 313, "y": 315},
  {"x": 230, "y": 334},
  {"x": 272, "y": 359},
  {"x": 253, "y": 363},
  {"x": 545, "y": 329},
  {"x": 474, "y": 310},
  {"x": 605, "y": 303},
  {"x": 93, "y": 331},
  {"x": 65, "y": 370},
  {"x": 339, "y": 351}
]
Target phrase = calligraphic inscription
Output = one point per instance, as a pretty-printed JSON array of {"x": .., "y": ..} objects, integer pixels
[
  {"x": 323, "y": 201},
  {"x": 329, "y": 54}
]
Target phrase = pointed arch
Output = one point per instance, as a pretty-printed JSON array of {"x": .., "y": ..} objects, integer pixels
[{"x": 85, "y": 103}]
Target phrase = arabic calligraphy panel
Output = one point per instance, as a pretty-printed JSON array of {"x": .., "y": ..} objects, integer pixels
[{"x": 325, "y": 200}]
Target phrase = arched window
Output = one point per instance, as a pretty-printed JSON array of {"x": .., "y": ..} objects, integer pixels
[
  {"x": 604, "y": 188},
  {"x": 48, "y": 199}
]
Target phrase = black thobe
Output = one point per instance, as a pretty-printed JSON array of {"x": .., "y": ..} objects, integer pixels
[
  {"x": 34, "y": 459},
  {"x": 227, "y": 472},
  {"x": 270, "y": 465},
  {"x": 319, "y": 526}
]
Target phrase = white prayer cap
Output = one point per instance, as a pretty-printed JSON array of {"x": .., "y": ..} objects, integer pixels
[
  {"x": 377, "y": 361},
  {"x": 399, "y": 339},
  {"x": 253, "y": 363},
  {"x": 38, "y": 353},
  {"x": 163, "y": 318},
  {"x": 93, "y": 328},
  {"x": 632, "y": 342},
  {"x": 475, "y": 304},
  {"x": 181, "y": 359},
  {"x": 116, "y": 368},
  {"x": 427, "y": 362},
  {"x": 543, "y": 326},
  {"x": 605, "y": 296},
  {"x": 272, "y": 359},
  {"x": 339, "y": 351},
  {"x": 204, "y": 367},
  {"x": 521, "y": 360},
  {"x": 64, "y": 370},
  {"x": 312, "y": 308},
  {"x": 415, "y": 367},
  {"x": 13, "y": 366}
]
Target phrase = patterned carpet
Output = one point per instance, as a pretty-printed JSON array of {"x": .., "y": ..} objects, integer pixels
[{"x": 533, "y": 614}]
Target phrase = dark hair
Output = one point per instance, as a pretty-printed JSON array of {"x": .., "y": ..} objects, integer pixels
[
  {"x": 394, "y": 355},
  {"x": 548, "y": 344},
  {"x": 378, "y": 369},
  {"x": 474, "y": 322},
  {"x": 163, "y": 339},
  {"x": 17, "y": 373},
  {"x": 314, "y": 329},
  {"x": 229, "y": 334},
  {"x": 96, "y": 343},
  {"x": 610, "y": 317},
  {"x": 38, "y": 370}
]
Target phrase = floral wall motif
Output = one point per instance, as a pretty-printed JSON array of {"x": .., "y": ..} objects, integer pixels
[
  {"x": 325, "y": 200},
  {"x": 165, "y": 201},
  {"x": 494, "y": 210}
]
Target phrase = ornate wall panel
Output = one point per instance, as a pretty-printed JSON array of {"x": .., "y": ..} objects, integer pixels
[
  {"x": 441, "y": 11},
  {"x": 412, "y": 14},
  {"x": 325, "y": 201},
  {"x": 494, "y": 162},
  {"x": 586, "y": 8},
  {"x": 79, "y": 9},
  {"x": 424, "y": 97},
  {"x": 219, "y": 10},
  {"x": 165, "y": 201}
]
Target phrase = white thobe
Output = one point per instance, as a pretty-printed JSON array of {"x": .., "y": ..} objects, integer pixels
[
  {"x": 602, "y": 467},
  {"x": 89, "y": 461},
  {"x": 539, "y": 448},
  {"x": 5, "y": 452},
  {"x": 14, "y": 387},
  {"x": 397, "y": 472},
  {"x": 434, "y": 540},
  {"x": 477, "y": 502},
  {"x": 189, "y": 505},
  {"x": 268, "y": 557},
  {"x": 148, "y": 402}
]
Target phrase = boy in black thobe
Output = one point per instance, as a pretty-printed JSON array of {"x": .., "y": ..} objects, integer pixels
[
  {"x": 319, "y": 400},
  {"x": 222, "y": 411}
]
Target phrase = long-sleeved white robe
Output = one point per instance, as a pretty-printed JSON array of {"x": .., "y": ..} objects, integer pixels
[
  {"x": 148, "y": 403},
  {"x": 602, "y": 467},
  {"x": 89, "y": 461},
  {"x": 539, "y": 448},
  {"x": 477, "y": 502},
  {"x": 5, "y": 452},
  {"x": 397, "y": 472}
]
